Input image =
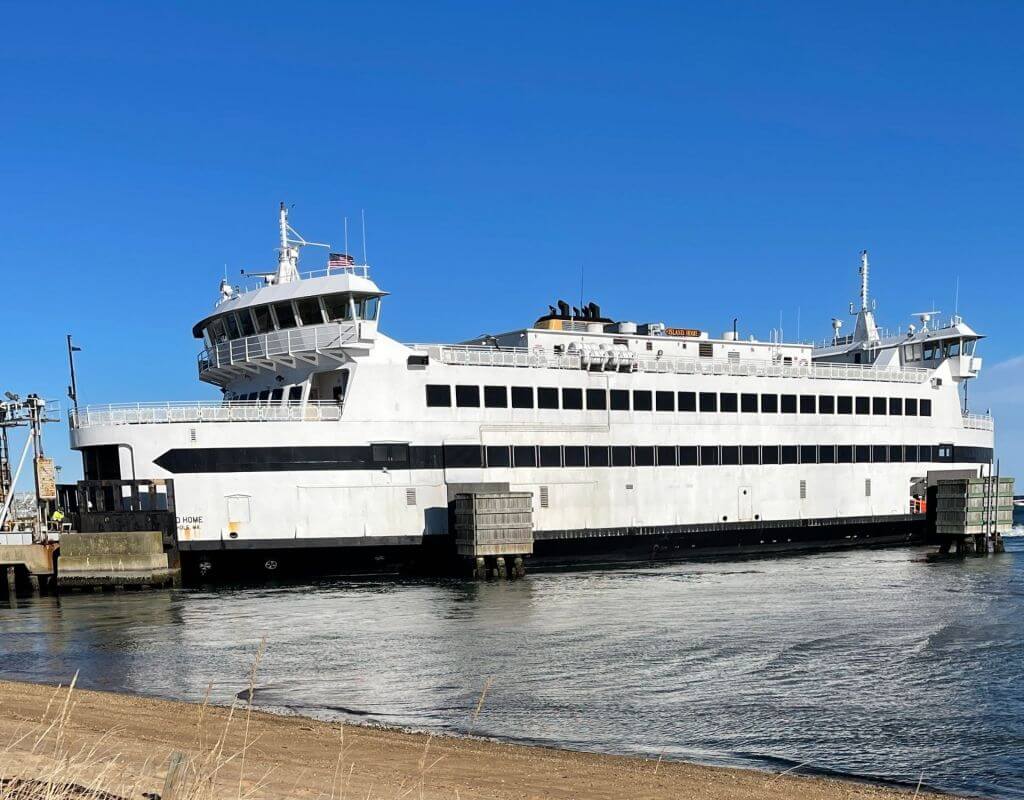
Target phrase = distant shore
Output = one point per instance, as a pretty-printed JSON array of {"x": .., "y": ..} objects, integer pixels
[{"x": 125, "y": 745}]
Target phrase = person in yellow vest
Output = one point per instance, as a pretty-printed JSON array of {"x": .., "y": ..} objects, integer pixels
[{"x": 57, "y": 518}]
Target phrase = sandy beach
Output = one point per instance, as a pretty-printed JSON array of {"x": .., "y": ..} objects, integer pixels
[{"x": 126, "y": 745}]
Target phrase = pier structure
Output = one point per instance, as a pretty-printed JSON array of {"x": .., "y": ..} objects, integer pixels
[{"x": 971, "y": 514}]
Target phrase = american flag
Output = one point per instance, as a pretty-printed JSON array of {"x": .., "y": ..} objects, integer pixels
[{"x": 339, "y": 260}]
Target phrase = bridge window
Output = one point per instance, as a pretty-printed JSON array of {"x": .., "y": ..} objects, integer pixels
[
  {"x": 878, "y": 406},
  {"x": 245, "y": 323},
  {"x": 748, "y": 403},
  {"x": 708, "y": 456},
  {"x": 863, "y": 453},
  {"x": 727, "y": 401},
  {"x": 597, "y": 399},
  {"x": 730, "y": 454},
  {"x": 524, "y": 456},
  {"x": 844, "y": 454},
  {"x": 295, "y": 394},
  {"x": 667, "y": 456},
  {"x": 789, "y": 404},
  {"x": 687, "y": 456},
  {"x": 264, "y": 324},
  {"x": 232, "y": 326},
  {"x": 863, "y": 405},
  {"x": 708, "y": 401},
  {"x": 575, "y": 456},
  {"x": 665, "y": 401},
  {"x": 621, "y": 456},
  {"x": 498, "y": 456},
  {"x": 687, "y": 401},
  {"x": 217, "y": 333},
  {"x": 844, "y": 404},
  {"x": 550, "y": 455},
  {"x": 808, "y": 404},
  {"x": 285, "y": 315},
  {"x": 598, "y": 456},
  {"x": 826, "y": 404},
  {"x": 751, "y": 454},
  {"x": 643, "y": 456},
  {"x": 309, "y": 311},
  {"x": 276, "y": 395},
  {"x": 769, "y": 403},
  {"x": 952, "y": 349},
  {"x": 827, "y": 454},
  {"x": 788, "y": 454},
  {"x": 808, "y": 454},
  {"x": 895, "y": 407},
  {"x": 547, "y": 397},
  {"x": 926, "y": 408},
  {"x": 910, "y": 407},
  {"x": 338, "y": 306},
  {"x": 879, "y": 453},
  {"x": 770, "y": 454}
]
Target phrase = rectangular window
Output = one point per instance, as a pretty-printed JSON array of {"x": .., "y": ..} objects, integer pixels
[
  {"x": 895, "y": 453},
  {"x": 788, "y": 454},
  {"x": 826, "y": 404},
  {"x": 878, "y": 406},
  {"x": 808, "y": 454},
  {"x": 844, "y": 404},
  {"x": 597, "y": 399},
  {"x": 926, "y": 408},
  {"x": 264, "y": 324},
  {"x": 709, "y": 456},
  {"x": 497, "y": 456},
  {"x": 295, "y": 394},
  {"x": 550, "y": 455},
  {"x": 643, "y": 456},
  {"x": 285, "y": 315},
  {"x": 620, "y": 399},
  {"x": 910, "y": 407},
  {"x": 687, "y": 401},
  {"x": 687, "y": 456},
  {"x": 575, "y": 456},
  {"x": 788, "y": 403},
  {"x": 895, "y": 407},
  {"x": 769, "y": 403},
  {"x": 924, "y": 452},
  {"x": 524, "y": 456},
  {"x": 827, "y": 454},
  {"x": 597, "y": 456},
  {"x": 665, "y": 401},
  {"x": 751, "y": 454},
  {"x": 944, "y": 453},
  {"x": 467, "y": 396},
  {"x": 770, "y": 454},
  {"x": 641, "y": 400},
  {"x": 862, "y": 453},
  {"x": 309, "y": 311},
  {"x": 910, "y": 453},
  {"x": 728, "y": 401},
  {"x": 245, "y": 323},
  {"x": 879, "y": 453},
  {"x": 232, "y": 324},
  {"x": 496, "y": 396},
  {"x": 708, "y": 401},
  {"x": 730, "y": 454},
  {"x": 522, "y": 397},
  {"x": 463, "y": 455},
  {"x": 276, "y": 394},
  {"x": 844, "y": 454},
  {"x": 547, "y": 397},
  {"x": 808, "y": 404},
  {"x": 337, "y": 306},
  {"x": 862, "y": 405},
  {"x": 572, "y": 399},
  {"x": 621, "y": 456},
  {"x": 666, "y": 456},
  {"x": 264, "y": 395},
  {"x": 748, "y": 403}
]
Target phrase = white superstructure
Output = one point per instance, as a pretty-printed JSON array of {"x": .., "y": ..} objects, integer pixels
[{"x": 333, "y": 435}]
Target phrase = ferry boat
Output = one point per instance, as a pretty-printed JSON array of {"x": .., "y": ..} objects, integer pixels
[{"x": 339, "y": 449}]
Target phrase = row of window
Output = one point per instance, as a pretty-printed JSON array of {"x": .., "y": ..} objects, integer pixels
[
  {"x": 271, "y": 396},
  {"x": 936, "y": 351},
  {"x": 290, "y": 314},
  {"x": 571, "y": 398}
]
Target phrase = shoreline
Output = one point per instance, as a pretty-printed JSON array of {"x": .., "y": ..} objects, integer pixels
[{"x": 123, "y": 744}]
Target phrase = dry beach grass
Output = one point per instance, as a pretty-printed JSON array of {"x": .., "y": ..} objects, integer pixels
[{"x": 71, "y": 744}]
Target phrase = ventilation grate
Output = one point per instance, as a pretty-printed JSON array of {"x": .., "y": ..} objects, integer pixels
[
  {"x": 867, "y": 487},
  {"x": 543, "y": 496},
  {"x": 410, "y": 497},
  {"x": 191, "y": 434},
  {"x": 803, "y": 490},
  {"x": 705, "y": 350}
]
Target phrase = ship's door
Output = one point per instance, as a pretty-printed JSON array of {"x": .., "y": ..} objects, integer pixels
[{"x": 745, "y": 504}]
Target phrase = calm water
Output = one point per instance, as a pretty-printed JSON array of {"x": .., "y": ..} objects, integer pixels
[{"x": 875, "y": 664}]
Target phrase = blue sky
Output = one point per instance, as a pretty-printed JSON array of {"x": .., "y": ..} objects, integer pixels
[{"x": 701, "y": 161}]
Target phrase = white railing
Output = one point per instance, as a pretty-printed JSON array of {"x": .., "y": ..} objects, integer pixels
[
  {"x": 234, "y": 411},
  {"x": 360, "y": 270},
  {"x": 278, "y": 343},
  {"x": 979, "y": 422},
  {"x": 633, "y": 362}
]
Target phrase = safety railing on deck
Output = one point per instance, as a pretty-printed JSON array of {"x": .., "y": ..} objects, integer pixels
[
  {"x": 160, "y": 413},
  {"x": 307, "y": 339},
  {"x": 626, "y": 361},
  {"x": 979, "y": 422}
]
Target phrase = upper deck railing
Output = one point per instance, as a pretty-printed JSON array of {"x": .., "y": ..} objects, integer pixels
[
  {"x": 233, "y": 411},
  {"x": 475, "y": 355},
  {"x": 310, "y": 338},
  {"x": 360, "y": 270},
  {"x": 979, "y": 422}
]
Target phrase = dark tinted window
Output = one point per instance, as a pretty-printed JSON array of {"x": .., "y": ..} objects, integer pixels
[
  {"x": 550, "y": 455},
  {"x": 895, "y": 452},
  {"x": 844, "y": 454},
  {"x": 295, "y": 394},
  {"x": 597, "y": 456},
  {"x": 751, "y": 455},
  {"x": 808, "y": 454},
  {"x": 788, "y": 454},
  {"x": 276, "y": 394},
  {"x": 547, "y": 397},
  {"x": 467, "y": 396},
  {"x": 462, "y": 455},
  {"x": 688, "y": 456},
  {"x": 844, "y": 404},
  {"x": 643, "y": 456},
  {"x": 620, "y": 400},
  {"x": 708, "y": 401},
  {"x": 497, "y": 456},
  {"x": 910, "y": 408},
  {"x": 708, "y": 455},
  {"x": 808, "y": 404},
  {"x": 525, "y": 456},
  {"x": 878, "y": 405},
  {"x": 748, "y": 403},
  {"x": 924, "y": 452},
  {"x": 687, "y": 401},
  {"x": 285, "y": 315},
  {"x": 926, "y": 408},
  {"x": 862, "y": 405},
  {"x": 727, "y": 401},
  {"x": 666, "y": 456},
  {"x": 769, "y": 403},
  {"x": 730, "y": 454},
  {"x": 621, "y": 456},
  {"x": 597, "y": 399},
  {"x": 910, "y": 453},
  {"x": 895, "y": 407},
  {"x": 309, "y": 311},
  {"x": 770, "y": 454},
  {"x": 879, "y": 453},
  {"x": 665, "y": 401},
  {"x": 262, "y": 316},
  {"x": 522, "y": 397},
  {"x": 788, "y": 403},
  {"x": 391, "y": 453},
  {"x": 863, "y": 453},
  {"x": 575, "y": 456},
  {"x": 245, "y": 322},
  {"x": 572, "y": 399},
  {"x": 827, "y": 454},
  {"x": 496, "y": 396},
  {"x": 641, "y": 400},
  {"x": 438, "y": 396},
  {"x": 826, "y": 404}
]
